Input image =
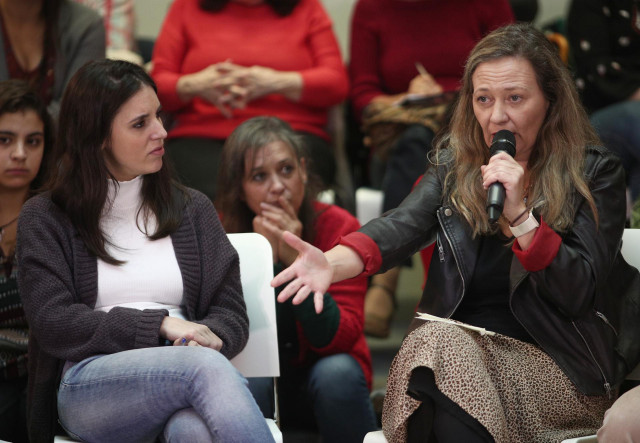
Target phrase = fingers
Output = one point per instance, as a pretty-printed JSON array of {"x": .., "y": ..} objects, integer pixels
[
  {"x": 318, "y": 301},
  {"x": 289, "y": 290},
  {"x": 295, "y": 242},
  {"x": 282, "y": 278}
]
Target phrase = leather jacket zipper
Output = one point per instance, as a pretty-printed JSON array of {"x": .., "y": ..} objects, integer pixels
[
  {"x": 455, "y": 259},
  {"x": 607, "y": 386},
  {"x": 606, "y": 321},
  {"x": 440, "y": 248}
]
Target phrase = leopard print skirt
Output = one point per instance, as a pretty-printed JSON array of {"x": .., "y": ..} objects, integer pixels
[{"x": 513, "y": 388}]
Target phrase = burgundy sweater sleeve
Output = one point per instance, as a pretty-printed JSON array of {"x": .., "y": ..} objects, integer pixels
[
  {"x": 542, "y": 250},
  {"x": 366, "y": 248},
  {"x": 326, "y": 83}
]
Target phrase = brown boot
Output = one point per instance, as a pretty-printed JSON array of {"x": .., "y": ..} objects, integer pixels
[{"x": 380, "y": 303}]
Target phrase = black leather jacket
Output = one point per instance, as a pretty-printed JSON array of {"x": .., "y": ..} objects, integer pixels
[{"x": 583, "y": 309}]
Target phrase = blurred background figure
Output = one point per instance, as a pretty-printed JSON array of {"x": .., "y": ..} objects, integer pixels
[
  {"x": 266, "y": 187},
  {"x": 604, "y": 37},
  {"x": 403, "y": 50},
  {"x": 25, "y": 147},
  {"x": 45, "y": 42},
  {"x": 120, "y": 25},
  {"x": 218, "y": 63}
]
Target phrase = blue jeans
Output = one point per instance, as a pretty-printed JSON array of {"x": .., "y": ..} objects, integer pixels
[
  {"x": 190, "y": 394},
  {"x": 331, "y": 396},
  {"x": 618, "y": 126}
]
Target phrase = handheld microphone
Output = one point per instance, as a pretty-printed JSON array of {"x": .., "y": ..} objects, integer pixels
[{"x": 505, "y": 141}]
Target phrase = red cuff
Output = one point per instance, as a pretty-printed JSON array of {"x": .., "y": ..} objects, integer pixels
[
  {"x": 366, "y": 248},
  {"x": 542, "y": 250}
]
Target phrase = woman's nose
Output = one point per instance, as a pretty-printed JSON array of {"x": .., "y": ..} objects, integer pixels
[
  {"x": 276, "y": 184},
  {"x": 159, "y": 133},
  {"x": 19, "y": 152},
  {"x": 498, "y": 113}
]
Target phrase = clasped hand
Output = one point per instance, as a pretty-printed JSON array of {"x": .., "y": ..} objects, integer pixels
[
  {"x": 183, "y": 332},
  {"x": 229, "y": 86}
]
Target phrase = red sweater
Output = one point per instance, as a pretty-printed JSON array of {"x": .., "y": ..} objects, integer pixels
[
  {"x": 333, "y": 223},
  {"x": 192, "y": 39},
  {"x": 389, "y": 36}
]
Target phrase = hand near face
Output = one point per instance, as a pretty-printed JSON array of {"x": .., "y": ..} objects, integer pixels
[
  {"x": 176, "y": 329},
  {"x": 505, "y": 169},
  {"x": 273, "y": 221},
  {"x": 309, "y": 273}
]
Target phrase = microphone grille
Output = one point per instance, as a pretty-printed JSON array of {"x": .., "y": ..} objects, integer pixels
[{"x": 503, "y": 140}]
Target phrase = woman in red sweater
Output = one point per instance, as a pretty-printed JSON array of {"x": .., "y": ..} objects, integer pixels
[
  {"x": 390, "y": 41},
  {"x": 218, "y": 63},
  {"x": 324, "y": 358}
]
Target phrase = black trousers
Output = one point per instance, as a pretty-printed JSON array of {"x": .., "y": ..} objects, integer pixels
[{"x": 438, "y": 419}]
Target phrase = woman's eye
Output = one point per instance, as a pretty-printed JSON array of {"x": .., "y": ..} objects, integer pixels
[
  {"x": 36, "y": 141},
  {"x": 287, "y": 169},
  {"x": 482, "y": 99},
  {"x": 5, "y": 140},
  {"x": 516, "y": 98},
  {"x": 139, "y": 124},
  {"x": 257, "y": 177}
]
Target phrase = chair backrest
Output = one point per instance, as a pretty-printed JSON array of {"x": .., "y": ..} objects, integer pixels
[
  {"x": 260, "y": 357},
  {"x": 631, "y": 253}
]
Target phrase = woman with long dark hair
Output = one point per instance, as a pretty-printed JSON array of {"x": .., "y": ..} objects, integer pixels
[
  {"x": 218, "y": 63},
  {"x": 129, "y": 283},
  {"x": 26, "y": 141}
]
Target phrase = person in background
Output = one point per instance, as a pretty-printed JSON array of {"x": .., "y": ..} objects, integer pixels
[
  {"x": 26, "y": 141},
  {"x": 325, "y": 365},
  {"x": 218, "y": 63},
  {"x": 130, "y": 285},
  {"x": 533, "y": 322},
  {"x": 120, "y": 23},
  {"x": 604, "y": 37},
  {"x": 408, "y": 49},
  {"x": 45, "y": 42}
]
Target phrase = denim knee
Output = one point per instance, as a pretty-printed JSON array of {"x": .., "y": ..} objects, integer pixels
[
  {"x": 335, "y": 376},
  {"x": 186, "y": 426}
]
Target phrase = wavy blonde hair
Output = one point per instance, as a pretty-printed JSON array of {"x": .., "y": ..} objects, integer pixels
[{"x": 556, "y": 165}]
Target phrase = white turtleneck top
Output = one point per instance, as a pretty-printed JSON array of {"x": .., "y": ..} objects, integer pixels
[{"x": 150, "y": 278}]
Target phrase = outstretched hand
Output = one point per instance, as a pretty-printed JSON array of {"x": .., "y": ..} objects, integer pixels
[{"x": 309, "y": 273}]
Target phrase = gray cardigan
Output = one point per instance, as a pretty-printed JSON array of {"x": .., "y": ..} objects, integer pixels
[
  {"x": 81, "y": 39},
  {"x": 58, "y": 283}
]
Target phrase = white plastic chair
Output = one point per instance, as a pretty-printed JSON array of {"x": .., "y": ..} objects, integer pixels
[
  {"x": 631, "y": 253},
  {"x": 368, "y": 204},
  {"x": 259, "y": 358}
]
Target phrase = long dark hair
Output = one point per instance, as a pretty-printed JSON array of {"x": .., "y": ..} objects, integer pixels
[
  {"x": 89, "y": 105},
  {"x": 17, "y": 96},
  {"x": 281, "y": 7},
  {"x": 247, "y": 139}
]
